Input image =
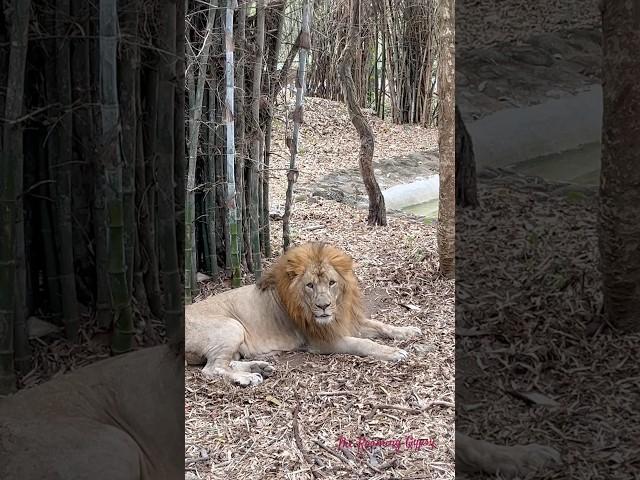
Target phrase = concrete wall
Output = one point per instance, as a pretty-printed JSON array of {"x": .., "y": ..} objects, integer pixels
[{"x": 518, "y": 134}]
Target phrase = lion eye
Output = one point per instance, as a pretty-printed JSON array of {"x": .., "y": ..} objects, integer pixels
[
  {"x": 332, "y": 282},
  {"x": 310, "y": 285}
]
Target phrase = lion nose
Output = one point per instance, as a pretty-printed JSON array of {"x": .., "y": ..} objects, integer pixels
[{"x": 322, "y": 306}]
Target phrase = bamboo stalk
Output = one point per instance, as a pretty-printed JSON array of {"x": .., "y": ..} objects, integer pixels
[
  {"x": 129, "y": 70},
  {"x": 109, "y": 107},
  {"x": 195, "y": 121},
  {"x": 256, "y": 141},
  {"x": 10, "y": 187},
  {"x": 210, "y": 194},
  {"x": 168, "y": 249},
  {"x": 234, "y": 225},
  {"x": 292, "y": 174},
  {"x": 61, "y": 166},
  {"x": 239, "y": 121}
]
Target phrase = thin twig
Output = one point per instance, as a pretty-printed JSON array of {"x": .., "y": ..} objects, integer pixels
[
  {"x": 328, "y": 450},
  {"x": 299, "y": 444},
  {"x": 337, "y": 393}
]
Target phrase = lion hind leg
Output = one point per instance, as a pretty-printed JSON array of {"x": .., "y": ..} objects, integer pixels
[
  {"x": 222, "y": 367},
  {"x": 375, "y": 329},
  {"x": 362, "y": 347}
]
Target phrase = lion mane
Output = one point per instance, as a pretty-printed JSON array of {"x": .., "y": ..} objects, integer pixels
[{"x": 283, "y": 280}]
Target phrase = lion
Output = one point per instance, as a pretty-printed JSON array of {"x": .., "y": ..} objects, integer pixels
[
  {"x": 309, "y": 301},
  {"x": 117, "y": 419}
]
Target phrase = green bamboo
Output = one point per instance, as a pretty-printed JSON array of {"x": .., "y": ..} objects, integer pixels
[
  {"x": 11, "y": 162},
  {"x": 146, "y": 186},
  {"x": 128, "y": 72},
  {"x": 61, "y": 166},
  {"x": 234, "y": 225},
  {"x": 166, "y": 152},
  {"x": 180, "y": 152},
  {"x": 210, "y": 195},
  {"x": 120, "y": 295},
  {"x": 195, "y": 120},
  {"x": 256, "y": 142}
]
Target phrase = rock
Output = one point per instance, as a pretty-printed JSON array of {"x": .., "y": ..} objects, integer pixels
[
  {"x": 202, "y": 277},
  {"x": 39, "y": 328}
]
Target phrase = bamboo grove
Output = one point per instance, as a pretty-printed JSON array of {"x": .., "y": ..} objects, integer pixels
[
  {"x": 91, "y": 172},
  {"x": 395, "y": 69},
  {"x": 240, "y": 56},
  {"x": 233, "y": 77}
]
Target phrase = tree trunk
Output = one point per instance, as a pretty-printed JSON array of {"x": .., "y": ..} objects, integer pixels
[
  {"x": 377, "y": 211},
  {"x": 298, "y": 118},
  {"x": 619, "y": 228},
  {"x": 446, "y": 209},
  {"x": 466, "y": 183},
  {"x": 234, "y": 225}
]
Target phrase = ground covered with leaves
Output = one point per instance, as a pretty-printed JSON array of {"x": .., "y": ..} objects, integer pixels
[
  {"x": 291, "y": 426},
  {"x": 535, "y": 361}
]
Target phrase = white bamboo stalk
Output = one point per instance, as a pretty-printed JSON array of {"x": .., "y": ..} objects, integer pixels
[{"x": 231, "y": 149}]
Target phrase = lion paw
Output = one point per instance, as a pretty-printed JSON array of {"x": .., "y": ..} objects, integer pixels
[
  {"x": 245, "y": 379},
  {"x": 399, "y": 356},
  {"x": 254, "y": 366},
  {"x": 403, "y": 333},
  {"x": 521, "y": 460},
  {"x": 263, "y": 368}
]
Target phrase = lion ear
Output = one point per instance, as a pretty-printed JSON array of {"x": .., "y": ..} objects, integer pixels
[{"x": 293, "y": 268}]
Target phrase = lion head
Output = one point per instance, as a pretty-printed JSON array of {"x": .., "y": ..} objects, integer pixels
[{"x": 317, "y": 287}]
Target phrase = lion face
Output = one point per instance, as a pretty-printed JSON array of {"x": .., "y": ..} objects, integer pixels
[
  {"x": 318, "y": 289},
  {"x": 321, "y": 293}
]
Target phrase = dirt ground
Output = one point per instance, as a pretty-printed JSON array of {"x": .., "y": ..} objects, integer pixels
[{"x": 236, "y": 433}]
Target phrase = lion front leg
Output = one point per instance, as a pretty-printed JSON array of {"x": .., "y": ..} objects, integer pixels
[
  {"x": 375, "y": 329},
  {"x": 362, "y": 347},
  {"x": 218, "y": 340}
]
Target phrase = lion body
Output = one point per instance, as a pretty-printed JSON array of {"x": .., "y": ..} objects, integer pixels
[{"x": 266, "y": 325}]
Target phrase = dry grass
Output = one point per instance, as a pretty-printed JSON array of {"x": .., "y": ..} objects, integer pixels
[{"x": 236, "y": 433}]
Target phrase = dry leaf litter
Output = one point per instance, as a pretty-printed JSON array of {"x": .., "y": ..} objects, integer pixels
[{"x": 537, "y": 363}]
